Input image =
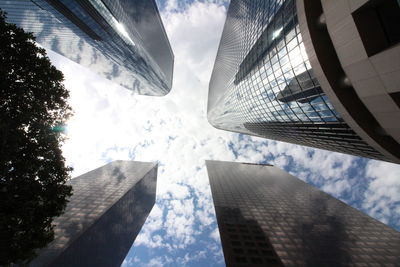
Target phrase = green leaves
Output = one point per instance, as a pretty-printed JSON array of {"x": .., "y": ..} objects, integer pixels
[{"x": 33, "y": 108}]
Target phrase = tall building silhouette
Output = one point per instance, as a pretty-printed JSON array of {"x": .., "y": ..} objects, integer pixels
[
  {"x": 267, "y": 217},
  {"x": 123, "y": 41},
  {"x": 317, "y": 73},
  {"x": 108, "y": 208}
]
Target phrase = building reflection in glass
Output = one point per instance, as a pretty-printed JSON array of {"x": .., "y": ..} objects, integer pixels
[
  {"x": 123, "y": 41},
  {"x": 104, "y": 215},
  {"x": 263, "y": 84},
  {"x": 267, "y": 217}
]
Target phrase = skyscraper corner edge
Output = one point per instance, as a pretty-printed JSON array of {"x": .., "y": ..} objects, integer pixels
[
  {"x": 170, "y": 85},
  {"x": 262, "y": 212},
  {"x": 103, "y": 217},
  {"x": 264, "y": 83},
  {"x": 122, "y": 41}
]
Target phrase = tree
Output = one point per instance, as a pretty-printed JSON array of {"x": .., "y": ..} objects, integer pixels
[{"x": 33, "y": 173}]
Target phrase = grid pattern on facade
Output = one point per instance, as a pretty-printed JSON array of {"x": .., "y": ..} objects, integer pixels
[
  {"x": 148, "y": 29},
  {"x": 107, "y": 41},
  {"x": 95, "y": 194},
  {"x": 305, "y": 226},
  {"x": 262, "y": 79},
  {"x": 335, "y": 135},
  {"x": 243, "y": 240}
]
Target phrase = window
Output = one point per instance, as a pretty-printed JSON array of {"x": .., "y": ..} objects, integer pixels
[
  {"x": 256, "y": 260},
  {"x": 378, "y": 23},
  {"x": 252, "y": 251},
  {"x": 235, "y": 243},
  {"x": 238, "y": 251},
  {"x": 241, "y": 259}
]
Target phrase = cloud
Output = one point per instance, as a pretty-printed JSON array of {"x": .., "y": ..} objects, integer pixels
[
  {"x": 177, "y": 191},
  {"x": 111, "y": 123},
  {"x": 154, "y": 262},
  {"x": 215, "y": 234},
  {"x": 382, "y": 198},
  {"x": 171, "y": 5}
]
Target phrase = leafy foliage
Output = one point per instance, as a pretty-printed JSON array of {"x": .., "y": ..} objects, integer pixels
[{"x": 33, "y": 102}]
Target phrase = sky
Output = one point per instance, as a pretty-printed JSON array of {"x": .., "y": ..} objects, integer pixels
[{"x": 110, "y": 123}]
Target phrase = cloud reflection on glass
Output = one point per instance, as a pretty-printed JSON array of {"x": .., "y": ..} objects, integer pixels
[{"x": 120, "y": 40}]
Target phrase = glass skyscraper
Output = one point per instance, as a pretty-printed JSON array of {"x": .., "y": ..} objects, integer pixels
[
  {"x": 104, "y": 215},
  {"x": 267, "y": 217},
  {"x": 264, "y": 84},
  {"x": 124, "y": 41}
]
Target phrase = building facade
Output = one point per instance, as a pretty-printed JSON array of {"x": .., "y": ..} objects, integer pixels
[
  {"x": 267, "y": 217},
  {"x": 300, "y": 72},
  {"x": 108, "y": 208},
  {"x": 123, "y": 41}
]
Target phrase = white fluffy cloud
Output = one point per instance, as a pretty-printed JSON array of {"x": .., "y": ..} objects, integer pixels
[
  {"x": 110, "y": 123},
  {"x": 382, "y": 198}
]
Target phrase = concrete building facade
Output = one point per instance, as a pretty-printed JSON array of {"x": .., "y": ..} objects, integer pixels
[
  {"x": 267, "y": 217},
  {"x": 314, "y": 73},
  {"x": 108, "y": 208}
]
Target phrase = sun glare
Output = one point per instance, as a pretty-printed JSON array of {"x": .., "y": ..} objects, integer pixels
[
  {"x": 122, "y": 30},
  {"x": 276, "y": 33}
]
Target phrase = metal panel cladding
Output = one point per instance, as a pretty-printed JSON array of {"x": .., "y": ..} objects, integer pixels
[
  {"x": 263, "y": 84},
  {"x": 123, "y": 41}
]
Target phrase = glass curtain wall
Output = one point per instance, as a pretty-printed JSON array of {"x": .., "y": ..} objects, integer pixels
[
  {"x": 263, "y": 84},
  {"x": 123, "y": 41}
]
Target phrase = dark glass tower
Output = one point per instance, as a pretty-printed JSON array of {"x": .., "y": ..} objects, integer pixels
[
  {"x": 108, "y": 208},
  {"x": 263, "y": 84},
  {"x": 123, "y": 41},
  {"x": 267, "y": 217}
]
